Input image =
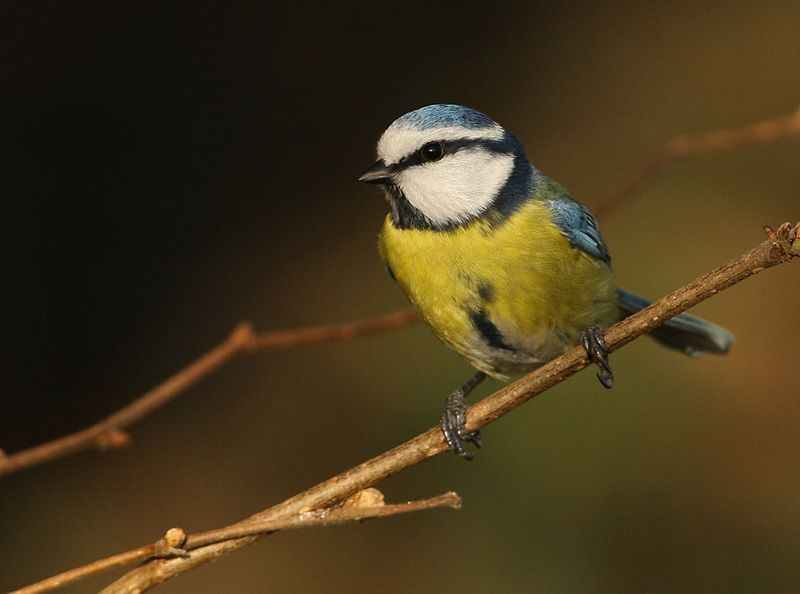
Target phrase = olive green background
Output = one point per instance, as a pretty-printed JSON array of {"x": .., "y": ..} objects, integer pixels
[{"x": 168, "y": 170}]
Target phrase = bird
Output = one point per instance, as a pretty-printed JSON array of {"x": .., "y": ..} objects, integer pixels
[{"x": 502, "y": 263}]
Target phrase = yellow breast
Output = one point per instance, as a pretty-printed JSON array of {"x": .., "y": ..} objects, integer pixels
[{"x": 520, "y": 276}]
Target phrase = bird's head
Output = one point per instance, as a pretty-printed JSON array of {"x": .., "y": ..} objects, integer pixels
[{"x": 444, "y": 165}]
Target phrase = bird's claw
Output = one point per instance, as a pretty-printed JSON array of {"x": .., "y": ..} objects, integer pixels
[
  {"x": 595, "y": 347},
  {"x": 454, "y": 420}
]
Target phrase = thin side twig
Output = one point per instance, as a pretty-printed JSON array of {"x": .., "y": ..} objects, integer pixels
[
  {"x": 176, "y": 544},
  {"x": 322, "y": 517},
  {"x": 686, "y": 145},
  {"x": 782, "y": 246},
  {"x": 107, "y": 433}
]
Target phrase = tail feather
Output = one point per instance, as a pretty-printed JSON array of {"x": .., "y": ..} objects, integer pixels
[{"x": 685, "y": 333}]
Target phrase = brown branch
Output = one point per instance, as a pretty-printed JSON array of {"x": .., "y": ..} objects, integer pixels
[
  {"x": 687, "y": 145},
  {"x": 90, "y": 569},
  {"x": 282, "y": 339},
  {"x": 782, "y": 246},
  {"x": 176, "y": 544},
  {"x": 323, "y": 517},
  {"x": 107, "y": 433}
]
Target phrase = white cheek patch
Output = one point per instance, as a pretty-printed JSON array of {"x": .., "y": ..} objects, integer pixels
[
  {"x": 457, "y": 188},
  {"x": 398, "y": 141}
]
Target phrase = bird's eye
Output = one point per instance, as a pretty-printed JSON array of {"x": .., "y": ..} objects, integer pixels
[{"x": 432, "y": 151}]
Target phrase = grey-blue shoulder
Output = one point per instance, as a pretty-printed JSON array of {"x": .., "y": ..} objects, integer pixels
[{"x": 579, "y": 226}]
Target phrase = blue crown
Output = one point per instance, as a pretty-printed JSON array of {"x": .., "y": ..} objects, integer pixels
[{"x": 443, "y": 116}]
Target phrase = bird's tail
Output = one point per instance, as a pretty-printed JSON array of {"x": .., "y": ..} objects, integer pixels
[{"x": 683, "y": 332}]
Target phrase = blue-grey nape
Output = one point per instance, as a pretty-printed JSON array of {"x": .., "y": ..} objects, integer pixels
[{"x": 444, "y": 115}]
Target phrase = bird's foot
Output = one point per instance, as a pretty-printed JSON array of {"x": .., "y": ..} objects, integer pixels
[
  {"x": 454, "y": 420},
  {"x": 595, "y": 346}
]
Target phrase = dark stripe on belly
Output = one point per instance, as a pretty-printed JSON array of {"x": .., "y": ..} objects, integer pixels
[
  {"x": 486, "y": 293},
  {"x": 488, "y": 330}
]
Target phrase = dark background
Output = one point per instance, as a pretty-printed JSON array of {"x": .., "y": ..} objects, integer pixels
[{"x": 168, "y": 170}]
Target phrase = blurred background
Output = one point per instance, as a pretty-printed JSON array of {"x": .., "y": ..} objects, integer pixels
[{"x": 168, "y": 170}]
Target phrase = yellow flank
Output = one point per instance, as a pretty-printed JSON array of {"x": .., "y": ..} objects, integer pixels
[{"x": 521, "y": 274}]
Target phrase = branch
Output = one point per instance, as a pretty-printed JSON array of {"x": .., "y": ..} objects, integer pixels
[
  {"x": 324, "y": 517},
  {"x": 176, "y": 544},
  {"x": 108, "y": 432},
  {"x": 781, "y": 246},
  {"x": 688, "y": 145}
]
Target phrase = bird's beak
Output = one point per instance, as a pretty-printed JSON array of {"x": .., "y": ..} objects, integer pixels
[{"x": 378, "y": 173}]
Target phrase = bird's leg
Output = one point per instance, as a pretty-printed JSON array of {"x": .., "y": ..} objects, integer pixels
[
  {"x": 595, "y": 346},
  {"x": 454, "y": 418}
]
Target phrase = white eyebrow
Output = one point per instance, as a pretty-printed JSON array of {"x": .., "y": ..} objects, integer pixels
[{"x": 400, "y": 141}]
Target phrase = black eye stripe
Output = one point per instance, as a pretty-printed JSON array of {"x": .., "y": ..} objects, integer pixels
[{"x": 499, "y": 147}]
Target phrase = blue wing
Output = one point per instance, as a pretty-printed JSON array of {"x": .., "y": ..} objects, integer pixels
[{"x": 579, "y": 226}]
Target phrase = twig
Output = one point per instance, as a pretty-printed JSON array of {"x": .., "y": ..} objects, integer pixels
[
  {"x": 282, "y": 339},
  {"x": 324, "y": 517},
  {"x": 177, "y": 544},
  {"x": 686, "y": 145},
  {"x": 782, "y": 246},
  {"x": 108, "y": 432},
  {"x": 84, "y": 571}
]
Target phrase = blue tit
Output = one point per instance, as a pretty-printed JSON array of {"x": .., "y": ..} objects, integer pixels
[{"x": 501, "y": 262}]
